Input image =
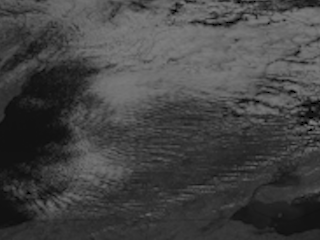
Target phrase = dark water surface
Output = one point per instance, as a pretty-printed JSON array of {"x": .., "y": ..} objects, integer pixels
[{"x": 286, "y": 219}]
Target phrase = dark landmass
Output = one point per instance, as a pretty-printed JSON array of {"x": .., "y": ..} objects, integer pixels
[{"x": 283, "y": 217}]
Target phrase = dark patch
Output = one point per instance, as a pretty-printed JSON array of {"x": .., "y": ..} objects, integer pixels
[
  {"x": 281, "y": 5},
  {"x": 139, "y": 6},
  {"x": 299, "y": 4},
  {"x": 25, "y": 132},
  {"x": 176, "y": 8},
  {"x": 10, "y": 214},
  {"x": 215, "y": 22},
  {"x": 34, "y": 131},
  {"x": 309, "y": 221},
  {"x": 285, "y": 218},
  {"x": 60, "y": 86},
  {"x": 34, "y": 119},
  {"x": 309, "y": 110}
]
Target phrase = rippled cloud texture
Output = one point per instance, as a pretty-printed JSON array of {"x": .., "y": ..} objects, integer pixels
[{"x": 158, "y": 119}]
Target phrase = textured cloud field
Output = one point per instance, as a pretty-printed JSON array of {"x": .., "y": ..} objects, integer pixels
[{"x": 157, "y": 119}]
